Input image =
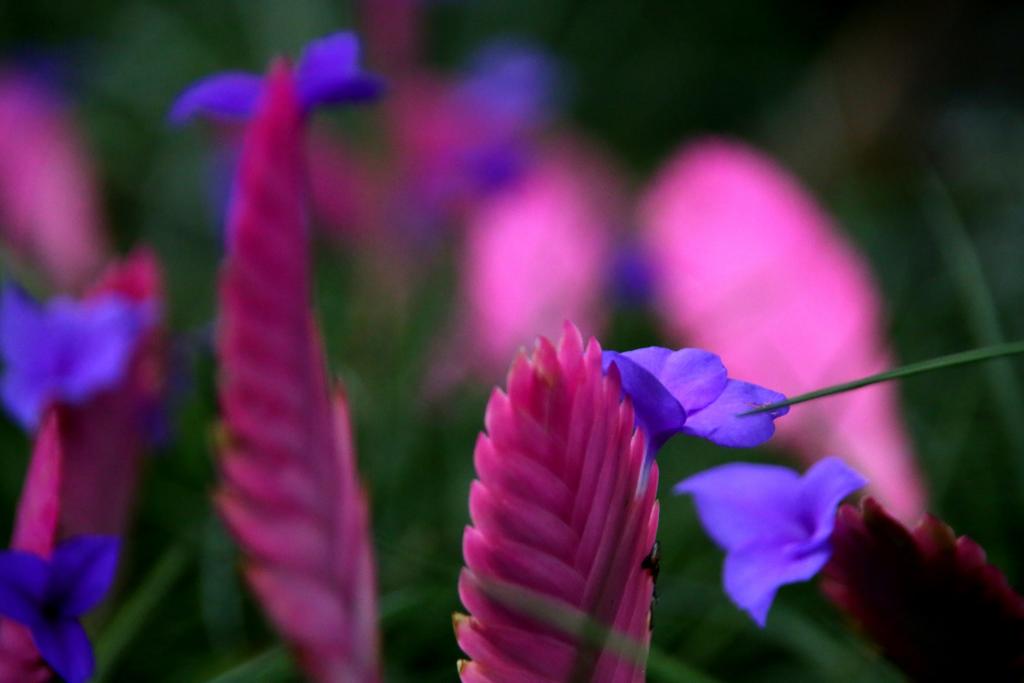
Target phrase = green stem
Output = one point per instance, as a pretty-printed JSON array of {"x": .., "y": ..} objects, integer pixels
[
  {"x": 130, "y": 619},
  {"x": 952, "y": 360},
  {"x": 269, "y": 666}
]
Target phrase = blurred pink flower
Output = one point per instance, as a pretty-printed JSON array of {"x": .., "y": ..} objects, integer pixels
[
  {"x": 747, "y": 264},
  {"x": 559, "y": 522},
  {"x": 106, "y": 439},
  {"x": 49, "y": 213},
  {"x": 289, "y": 493},
  {"x": 35, "y": 531},
  {"x": 535, "y": 254}
]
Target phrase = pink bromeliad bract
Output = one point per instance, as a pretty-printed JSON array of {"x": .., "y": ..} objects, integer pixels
[
  {"x": 557, "y": 519},
  {"x": 289, "y": 492}
]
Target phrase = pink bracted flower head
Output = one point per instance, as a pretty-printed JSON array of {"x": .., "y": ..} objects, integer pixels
[
  {"x": 559, "y": 529},
  {"x": 747, "y": 264},
  {"x": 49, "y": 211},
  {"x": 289, "y": 492}
]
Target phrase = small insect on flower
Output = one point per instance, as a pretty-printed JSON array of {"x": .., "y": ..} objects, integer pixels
[{"x": 652, "y": 564}]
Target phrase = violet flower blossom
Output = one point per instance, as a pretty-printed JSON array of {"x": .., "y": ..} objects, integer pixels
[
  {"x": 774, "y": 525},
  {"x": 689, "y": 391},
  {"x": 64, "y": 351},
  {"x": 327, "y": 73},
  {"x": 49, "y": 596}
]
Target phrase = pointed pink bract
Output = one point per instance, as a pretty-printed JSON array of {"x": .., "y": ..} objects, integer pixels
[
  {"x": 35, "y": 531},
  {"x": 748, "y": 265},
  {"x": 289, "y": 492},
  {"x": 556, "y": 513}
]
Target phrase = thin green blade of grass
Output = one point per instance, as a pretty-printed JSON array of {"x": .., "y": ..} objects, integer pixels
[
  {"x": 981, "y": 313},
  {"x": 592, "y": 633},
  {"x": 129, "y": 621},
  {"x": 270, "y": 666},
  {"x": 940, "y": 363}
]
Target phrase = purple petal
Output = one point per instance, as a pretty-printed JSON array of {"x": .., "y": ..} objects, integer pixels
[
  {"x": 23, "y": 578},
  {"x": 328, "y": 73},
  {"x": 741, "y": 503},
  {"x": 822, "y": 488},
  {"x": 99, "y": 339},
  {"x": 720, "y": 422},
  {"x": 753, "y": 574},
  {"x": 65, "y": 647},
  {"x": 83, "y": 570},
  {"x": 23, "y": 332},
  {"x": 514, "y": 83},
  {"x": 657, "y": 411},
  {"x": 694, "y": 377},
  {"x": 228, "y": 95},
  {"x": 774, "y": 526}
]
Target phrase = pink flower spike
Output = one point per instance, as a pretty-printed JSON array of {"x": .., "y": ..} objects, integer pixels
[
  {"x": 536, "y": 254},
  {"x": 746, "y": 263},
  {"x": 289, "y": 493},
  {"x": 557, "y": 518},
  {"x": 48, "y": 197},
  {"x": 35, "y": 531},
  {"x": 106, "y": 439}
]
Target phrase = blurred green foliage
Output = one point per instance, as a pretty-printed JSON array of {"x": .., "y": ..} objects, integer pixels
[{"x": 908, "y": 121}]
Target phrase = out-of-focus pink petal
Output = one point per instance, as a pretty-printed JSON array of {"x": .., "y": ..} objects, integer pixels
[
  {"x": 536, "y": 254},
  {"x": 747, "y": 264},
  {"x": 289, "y": 492},
  {"x": 48, "y": 200},
  {"x": 557, "y": 517},
  {"x": 343, "y": 194},
  {"x": 105, "y": 440},
  {"x": 35, "y": 530}
]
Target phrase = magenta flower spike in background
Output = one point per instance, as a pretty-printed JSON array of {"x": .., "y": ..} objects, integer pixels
[
  {"x": 106, "y": 438},
  {"x": 49, "y": 213},
  {"x": 774, "y": 525},
  {"x": 556, "y": 514},
  {"x": 746, "y": 263},
  {"x": 931, "y": 601},
  {"x": 536, "y": 254},
  {"x": 35, "y": 531},
  {"x": 289, "y": 492},
  {"x": 328, "y": 73}
]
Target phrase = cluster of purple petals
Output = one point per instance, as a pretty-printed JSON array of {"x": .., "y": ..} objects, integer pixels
[
  {"x": 328, "y": 73},
  {"x": 689, "y": 392},
  {"x": 49, "y": 596},
  {"x": 64, "y": 351},
  {"x": 774, "y": 525}
]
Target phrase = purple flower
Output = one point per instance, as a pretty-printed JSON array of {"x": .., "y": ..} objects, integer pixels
[
  {"x": 775, "y": 526},
  {"x": 515, "y": 83},
  {"x": 64, "y": 351},
  {"x": 328, "y": 73},
  {"x": 49, "y": 596},
  {"x": 689, "y": 391}
]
